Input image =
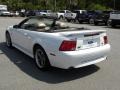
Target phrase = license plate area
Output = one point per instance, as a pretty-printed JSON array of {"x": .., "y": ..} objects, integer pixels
[{"x": 89, "y": 42}]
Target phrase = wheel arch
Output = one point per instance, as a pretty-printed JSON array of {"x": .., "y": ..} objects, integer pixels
[
  {"x": 6, "y": 37},
  {"x": 61, "y": 16},
  {"x": 35, "y": 46},
  {"x": 7, "y": 32}
]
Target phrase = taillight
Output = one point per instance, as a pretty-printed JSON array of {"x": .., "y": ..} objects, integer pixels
[
  {"x": 105, "y": 40},
  {"x": 68, "y": 46}
]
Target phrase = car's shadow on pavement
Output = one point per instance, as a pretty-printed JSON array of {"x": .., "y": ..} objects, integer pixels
[{"x": 52, "y": 76}]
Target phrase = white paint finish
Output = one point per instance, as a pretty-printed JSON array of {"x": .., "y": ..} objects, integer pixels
[
  {"x": 70, "y": 15},
  {"x": 24, "y": 40},
  {"x": 80, "y": 58},
  {"x": 115, "y": 16}
]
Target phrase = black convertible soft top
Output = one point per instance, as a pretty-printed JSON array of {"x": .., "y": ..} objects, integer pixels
[
  {"x": 44, "y": 17},
  {"x": 53, "y": 26}
]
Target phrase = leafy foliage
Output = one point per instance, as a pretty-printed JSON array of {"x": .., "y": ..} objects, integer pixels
[{"x": 61, "y": 4}]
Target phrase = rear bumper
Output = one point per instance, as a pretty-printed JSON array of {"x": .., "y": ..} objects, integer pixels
[{"x": 81, "y": 58}]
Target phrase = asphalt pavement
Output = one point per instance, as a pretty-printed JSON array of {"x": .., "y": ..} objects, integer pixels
[{"x": 18, "y": 71}]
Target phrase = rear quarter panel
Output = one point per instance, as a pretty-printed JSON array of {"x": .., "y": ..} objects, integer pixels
[{"x": 50, "y": 42}]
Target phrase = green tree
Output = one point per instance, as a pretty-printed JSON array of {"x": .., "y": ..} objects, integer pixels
[{"x": 61, "y": 4}]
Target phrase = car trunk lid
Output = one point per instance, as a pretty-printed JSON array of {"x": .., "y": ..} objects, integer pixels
[{"x": 86, "y": 39}]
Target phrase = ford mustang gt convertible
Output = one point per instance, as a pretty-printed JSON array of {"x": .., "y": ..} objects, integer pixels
[{"x": 53, "y": 43}]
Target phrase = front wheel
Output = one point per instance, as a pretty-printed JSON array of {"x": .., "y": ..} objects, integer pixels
[
  {"x": 8, "y": 40},
  {"x": 41, "y": 58}
]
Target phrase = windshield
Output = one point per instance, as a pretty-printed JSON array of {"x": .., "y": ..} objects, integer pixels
[{"x": 43, "y": 10}]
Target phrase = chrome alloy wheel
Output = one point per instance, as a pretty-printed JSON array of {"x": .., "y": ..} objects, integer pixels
[{"x": 40, "y": 58}]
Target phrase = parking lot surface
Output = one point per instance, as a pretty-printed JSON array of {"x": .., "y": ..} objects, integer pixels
[{"x": 18, "y": 71}]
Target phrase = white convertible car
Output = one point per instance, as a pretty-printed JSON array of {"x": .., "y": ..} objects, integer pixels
[{"x": 53, "y": 43}]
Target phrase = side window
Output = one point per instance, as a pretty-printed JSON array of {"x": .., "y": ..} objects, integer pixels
[
  {"x": 68, "y": 11},
  {"x": 84, "y": 12},
  {"x": 30, "y": 24},
  {"x": 49, "y": 11},
  {"x": 36, "y": 24},
  {"x": 62, "y": 11}
]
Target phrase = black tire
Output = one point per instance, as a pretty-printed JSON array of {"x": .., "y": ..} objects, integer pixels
[
  {"x": 74, "y": 20},
  {"x": 80, "y": 21},
  {"x": 91, "y": 21},
  {"x": 8, "y": 40},
  {"x": 68, "y": 20},
  {"x": 96, "y": 23},
  {"x": 113, "y": 25},
  {"x": 41, "y": 58},
  {"x": 61, "y": 17},
  {"x": 108, "y": 23},
  {"x": 44, "y": 14}
]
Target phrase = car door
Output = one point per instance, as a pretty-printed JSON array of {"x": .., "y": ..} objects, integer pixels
[{"x": 23, "y": 38}]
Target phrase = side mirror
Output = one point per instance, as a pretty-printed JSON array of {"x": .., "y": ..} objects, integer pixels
[{"x": 15, "y": 26}]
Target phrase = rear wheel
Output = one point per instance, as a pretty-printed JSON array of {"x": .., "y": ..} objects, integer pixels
[
  {"x": 61, "y": 17},
  {"x": 96, "y": 23},
  {"x": 108, "y": 23},
  {"x": 8, "y": 40},
  {"x": 80, "y": 21},
  {"x": 113, "y": 25},
  {"x": 41, "y": 58},
  {"x": 75, "y": 20},
  {"x": 91, "y": 21},
  {"x": 68, "y": 20},
  {"x": 44, "y": 15}
]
